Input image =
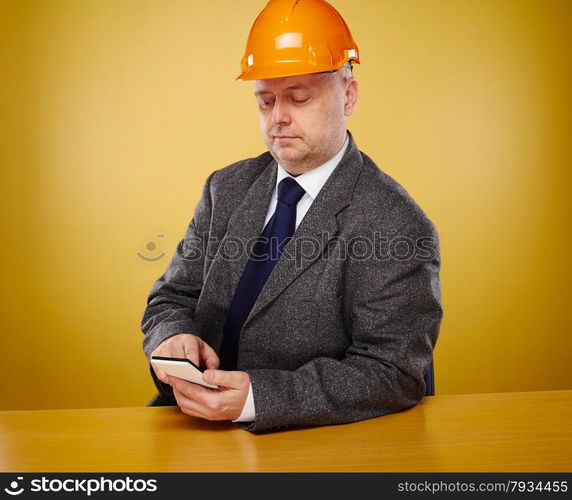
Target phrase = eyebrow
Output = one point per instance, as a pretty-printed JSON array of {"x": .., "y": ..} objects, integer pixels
[{"x": 291, "y": 87}]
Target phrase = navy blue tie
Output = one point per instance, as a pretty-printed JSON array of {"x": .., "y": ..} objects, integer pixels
[{"x": 263, "y": 258}]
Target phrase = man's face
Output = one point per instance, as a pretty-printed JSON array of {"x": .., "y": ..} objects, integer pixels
[{"x": 303, "y": 117}]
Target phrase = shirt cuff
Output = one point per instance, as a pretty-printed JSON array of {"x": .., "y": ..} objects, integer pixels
[{"x": 248, "y": 413}]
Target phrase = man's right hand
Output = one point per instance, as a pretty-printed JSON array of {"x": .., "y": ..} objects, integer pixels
[{"x": 185, "y": 345}]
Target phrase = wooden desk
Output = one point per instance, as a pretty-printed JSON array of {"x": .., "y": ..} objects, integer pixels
[{"x": 513, "y": 432}]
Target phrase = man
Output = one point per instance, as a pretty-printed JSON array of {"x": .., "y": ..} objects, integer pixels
[{"x": 307, "y": 283}]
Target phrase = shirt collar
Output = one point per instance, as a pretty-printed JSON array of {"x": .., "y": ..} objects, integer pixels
[{"x": 313, "y": 180}]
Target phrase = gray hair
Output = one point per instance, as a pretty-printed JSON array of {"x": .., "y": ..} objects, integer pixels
[{"x": 346, "y": 70}]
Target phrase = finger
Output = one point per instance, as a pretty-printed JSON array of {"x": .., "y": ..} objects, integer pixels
[
  {"x": 161, "y": 375},
  {"x": 188, "y": 406},
  {"x": 214, "y": 405},
  {"x": 205, "y": 404},
  {"x": 223, "y": 378},
  {"x": 190, "y": 390},
  {"x": 211, "y": 406},
  {"x": 172, "y": 346},
  {"x": 209, "y": 356},
  {"x": 191, "y": 349}
]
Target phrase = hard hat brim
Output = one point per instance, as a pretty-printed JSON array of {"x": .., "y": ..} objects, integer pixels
[{"x": 288, "y": 68}]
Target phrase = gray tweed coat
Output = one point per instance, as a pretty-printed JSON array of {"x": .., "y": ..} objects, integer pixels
[{"x": 345, "y": 326}]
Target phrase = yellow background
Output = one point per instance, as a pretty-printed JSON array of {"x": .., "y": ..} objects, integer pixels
[{"x": 113, "y": 113}]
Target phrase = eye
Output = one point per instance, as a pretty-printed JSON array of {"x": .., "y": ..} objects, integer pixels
[
  {"x": 299, "y": 101},
  {"x": 265, "y": 104}
]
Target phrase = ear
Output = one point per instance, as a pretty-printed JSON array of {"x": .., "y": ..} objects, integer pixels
[{"x": 351, "y": 96}]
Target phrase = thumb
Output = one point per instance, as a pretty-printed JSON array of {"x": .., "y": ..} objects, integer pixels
[{"x": 223, "y": 378}]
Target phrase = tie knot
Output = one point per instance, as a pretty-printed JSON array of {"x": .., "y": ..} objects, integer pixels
[{"x": 289, "y": 191}]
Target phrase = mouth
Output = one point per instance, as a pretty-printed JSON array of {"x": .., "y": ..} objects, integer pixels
[{"x": 282, "y": 137}]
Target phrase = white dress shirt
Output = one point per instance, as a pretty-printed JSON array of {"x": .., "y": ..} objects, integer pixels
[{"x": 312, "y": 182}]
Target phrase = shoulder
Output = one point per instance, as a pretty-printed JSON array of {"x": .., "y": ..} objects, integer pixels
[
  {"x": 239, "y": 175},
  {"x": 382, "y": 203}
]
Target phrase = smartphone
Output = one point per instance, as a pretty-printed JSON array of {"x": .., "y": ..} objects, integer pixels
[{"x": 182, "y": 368}]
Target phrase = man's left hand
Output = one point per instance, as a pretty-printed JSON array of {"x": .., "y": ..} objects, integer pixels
[{"x": 225, "y": 403}]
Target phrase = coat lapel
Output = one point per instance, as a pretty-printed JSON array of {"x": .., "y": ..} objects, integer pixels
[
  {"x": 247, "y": 222},
  {"x": 244, "y": 224}
]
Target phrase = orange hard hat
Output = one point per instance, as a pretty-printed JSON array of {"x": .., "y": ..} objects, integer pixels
[{"x": 297, "y": 37}]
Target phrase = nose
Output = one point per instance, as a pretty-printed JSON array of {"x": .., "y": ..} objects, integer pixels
[{"x": 280, "y": 113}]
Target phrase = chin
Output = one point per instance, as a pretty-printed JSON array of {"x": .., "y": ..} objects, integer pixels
[{"x": 288, "y": 154}]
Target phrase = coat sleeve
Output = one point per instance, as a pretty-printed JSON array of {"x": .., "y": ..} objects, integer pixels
[
  {"x": 395, "y": 319},
  {"x": 173, "y": 298}
]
